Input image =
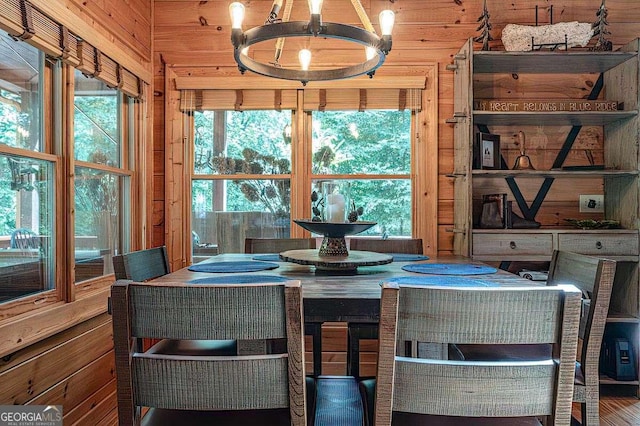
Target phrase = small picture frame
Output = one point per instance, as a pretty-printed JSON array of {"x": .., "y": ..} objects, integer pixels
[{"x": 486, "y": 152}]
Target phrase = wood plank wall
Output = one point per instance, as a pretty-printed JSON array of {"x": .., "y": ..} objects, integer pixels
[
  {"x": 73, "y": 363},
  {"x": 196, "y": 34}
]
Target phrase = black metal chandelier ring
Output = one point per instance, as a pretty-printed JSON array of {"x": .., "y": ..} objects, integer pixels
[{"x": 242, "y": 40}]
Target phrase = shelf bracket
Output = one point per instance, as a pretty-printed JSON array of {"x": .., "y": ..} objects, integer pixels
[
  {"x": 456, "y": 117},
  {"x": 530, "y": 212}
]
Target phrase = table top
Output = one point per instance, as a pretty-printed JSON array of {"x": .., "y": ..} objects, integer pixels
[{"x": 351, "y": 298}]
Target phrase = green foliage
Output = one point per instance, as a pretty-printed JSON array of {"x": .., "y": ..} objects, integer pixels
[
  {"x": 344, "y": 142},
  {"x": 96, "y": 129},
  {"x": 254, "y": 146}
]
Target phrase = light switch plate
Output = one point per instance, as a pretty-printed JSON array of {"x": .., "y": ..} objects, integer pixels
[{"x": 592, "y": 203}]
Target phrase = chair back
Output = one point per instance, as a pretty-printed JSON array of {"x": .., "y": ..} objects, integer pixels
[
  {"x": 277, "y": 245},
  {"x": 142, "y": 265},
  {"x": 405, "y": 246},
  {"x": 477, "y": 315},
  {"x": 208, "y": 383},
  {"x": 23, "y": 238},
  {"x": 594, "y": 277}
]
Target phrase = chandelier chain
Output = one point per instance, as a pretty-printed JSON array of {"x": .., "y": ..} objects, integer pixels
[
  {"x": 366, "y": 22},
  {"x": 280, "y": 42}
]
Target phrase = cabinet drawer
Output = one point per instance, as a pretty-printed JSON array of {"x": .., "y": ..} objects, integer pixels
[
  {"x": 599, "y": 244},
  {"x": 511, "y": 244}
]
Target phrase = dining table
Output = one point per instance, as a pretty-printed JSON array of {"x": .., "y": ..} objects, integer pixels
[{"x": 336, "y": 296}]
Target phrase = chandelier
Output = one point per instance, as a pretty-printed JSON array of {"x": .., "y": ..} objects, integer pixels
[{"x": 278, "y": 28}]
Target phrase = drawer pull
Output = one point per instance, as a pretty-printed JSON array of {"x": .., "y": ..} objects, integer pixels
[
  {"x": 598, "y": 245},
  {"x": 512, "y": 244}
]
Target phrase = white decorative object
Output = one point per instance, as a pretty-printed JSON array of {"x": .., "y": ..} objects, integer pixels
[
  {"x": 336, "y": 200},
  {"x": 335, "y": 208},
  {"x": 517, "y": 38}
]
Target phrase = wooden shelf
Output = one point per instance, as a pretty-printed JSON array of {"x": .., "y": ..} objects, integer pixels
[
  {"x": 559, "y": 118},
  {"x": 606, "y": 380},
  {"x": 547, "y": 62},
  {"x": 552, "y": 173},
  {"x": 620, "y": 317}
]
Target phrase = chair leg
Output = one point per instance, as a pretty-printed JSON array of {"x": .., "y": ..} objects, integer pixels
[
  {"x": 590, "y": 412},
  {"x": 356, "y": 332},
  {"x": 315, "y": 330}
]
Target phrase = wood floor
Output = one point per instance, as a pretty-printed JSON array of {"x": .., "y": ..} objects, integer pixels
[{"x": 616, "y": 408}]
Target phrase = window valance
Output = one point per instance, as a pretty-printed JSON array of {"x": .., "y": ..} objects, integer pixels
[{"x": 217, "y": 93}]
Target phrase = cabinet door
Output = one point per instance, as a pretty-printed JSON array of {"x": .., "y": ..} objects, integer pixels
[{"x": 463, "y": 140}]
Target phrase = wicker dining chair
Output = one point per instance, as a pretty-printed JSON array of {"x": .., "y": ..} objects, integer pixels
[
  {"x": 363, "y": 331},
  {"x": 278, "y": 245},
  {"x": 594, "y": 277},
  {"x": 198, "y": 388},
  {"x": 411, "y": 391},
  {"x": 142, "y": 265},
  {"x": 145, "y": 265},
  {"x": 399, "y": 245}
]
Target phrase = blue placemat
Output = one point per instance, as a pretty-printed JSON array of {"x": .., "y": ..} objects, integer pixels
[
  {"x": 240, "y": 279},
  {"x": 268, "y": 257},
  {"x": 406, "y": 257},
  {"x": 237, "y": 266},
  {"x": 443, "y": 281},
  {"x": 450, "y": 269}
]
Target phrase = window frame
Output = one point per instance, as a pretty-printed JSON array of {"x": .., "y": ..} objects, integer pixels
[{"x": 423, "y": 174}]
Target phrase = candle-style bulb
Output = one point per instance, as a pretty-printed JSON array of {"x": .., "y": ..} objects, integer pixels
[
  {"x": 315, "y": 6},
  {"x": 387, "y": 19},
  {"x": 236, "y": 11},
  {"x": 304, "y": 56},
  {"x": 370, "y": 52}
]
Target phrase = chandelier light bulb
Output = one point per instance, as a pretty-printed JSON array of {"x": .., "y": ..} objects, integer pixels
[
  {"x": 236, "y": 11},
  {"x": 315, "y": 6},
  {"x": 370, "y": 52},
  {"x": 387, "y": 19},
  {"x": 304, "y": 56}
]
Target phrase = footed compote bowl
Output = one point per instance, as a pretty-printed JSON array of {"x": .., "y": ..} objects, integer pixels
[{"x": 334, "y": 243}]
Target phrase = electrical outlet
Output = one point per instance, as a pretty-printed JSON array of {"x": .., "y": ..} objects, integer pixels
[{"x": 591, "y": 203}]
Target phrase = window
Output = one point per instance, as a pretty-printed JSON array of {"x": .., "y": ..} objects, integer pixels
[
  {"x": 371, "y": 151},
  {"x": 27, "y": 202},
  {"x": 241, "y": 184},
  {"x": 21, "y": 95},
  {"x": 242, "y": 165},
  {"x": 101, "y": 181},
  {"x": 34, "y": 195}
]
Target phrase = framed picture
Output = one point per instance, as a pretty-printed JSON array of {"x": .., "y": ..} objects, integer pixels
[{"x": 486, "y": 151}]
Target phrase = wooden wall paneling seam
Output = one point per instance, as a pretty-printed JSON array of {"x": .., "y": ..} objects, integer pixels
[
  {"x": 48, "y": 368},
  {"x": 174, "y": 198},
  {"x": 18, "y": 333},
  {"x": 11, "y": 360},
  {"x": 72, "y": 391},
  {"x": 95, "y": 407}
]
